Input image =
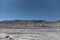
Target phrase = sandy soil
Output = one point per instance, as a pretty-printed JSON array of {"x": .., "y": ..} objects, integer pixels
[{"x": 30, "y": 34}]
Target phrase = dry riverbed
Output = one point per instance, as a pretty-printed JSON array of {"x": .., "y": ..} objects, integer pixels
[{"x": 31, "y": 34}]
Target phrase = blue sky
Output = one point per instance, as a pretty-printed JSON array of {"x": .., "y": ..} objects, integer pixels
[{"x": 30, "y": 10}]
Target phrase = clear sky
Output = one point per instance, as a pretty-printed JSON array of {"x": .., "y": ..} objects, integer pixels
[{"x": 30, "y": 9}]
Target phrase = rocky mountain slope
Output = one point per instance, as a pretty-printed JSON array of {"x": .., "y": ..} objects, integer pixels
[{"x": 29, "y": 24}]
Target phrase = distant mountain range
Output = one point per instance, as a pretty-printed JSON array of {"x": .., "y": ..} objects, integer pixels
[{"x": 17, "y": 24}]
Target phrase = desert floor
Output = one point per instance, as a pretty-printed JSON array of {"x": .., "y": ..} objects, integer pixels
[{"x": 30, "y": 34}]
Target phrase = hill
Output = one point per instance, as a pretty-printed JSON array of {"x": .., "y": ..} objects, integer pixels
[{"x": 29, "y": 24}]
